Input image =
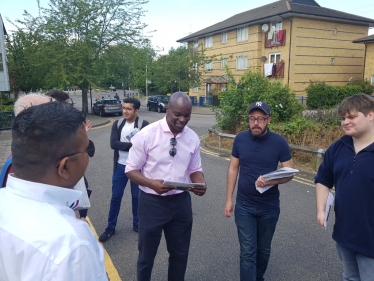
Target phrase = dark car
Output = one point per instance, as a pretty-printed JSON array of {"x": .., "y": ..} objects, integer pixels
[
  {"x": 107, "y": 106},
  {"x": 158, "y": 103}
]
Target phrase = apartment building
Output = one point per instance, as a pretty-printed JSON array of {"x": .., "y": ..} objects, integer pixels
[
  {"x": 368, "y": 42},
  {"x": 293, "y": 41}
]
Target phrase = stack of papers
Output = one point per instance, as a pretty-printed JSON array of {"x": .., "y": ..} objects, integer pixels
[
  {"x": 184, "y": 185},
  {"x": 277, "y": 174},
  {"x": 330, "y": 201}
]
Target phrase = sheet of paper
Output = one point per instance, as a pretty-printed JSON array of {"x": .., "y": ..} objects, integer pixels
[
  {"x": 330, "y": 201},
  {"x": 183, "y": 185},
  {"x": 263, "y": 189},
  {"x": 280, "y": 173}
]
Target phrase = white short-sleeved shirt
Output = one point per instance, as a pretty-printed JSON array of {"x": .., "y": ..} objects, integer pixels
[{"x": 40, "y": 237}]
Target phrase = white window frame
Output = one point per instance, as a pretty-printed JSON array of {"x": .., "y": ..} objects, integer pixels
[
  {"x": 208, "y": 89},
  {"x": 242, "y": 34},
  {"x": 276, "y": 25},
  {"x": 275, "y": 57},
  {"x": 223, "y": 63},
  {"x": 195, "y": 45},
  {"x": 195, "y": 89},
  {"x": 372, "y": 79},
  {"x": 209, "y": 41},
  {"x": 242, "y": 62},
  {"x": 208, "y": 66},
  {"x": 223, "y": 37}
]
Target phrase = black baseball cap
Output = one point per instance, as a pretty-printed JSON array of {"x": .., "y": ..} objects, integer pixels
[{"x": 259, "y": 105}]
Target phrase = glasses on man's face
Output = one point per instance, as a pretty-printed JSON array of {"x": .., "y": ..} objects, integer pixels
[
  {"x": 90, "y": 151},
  {"x": 173, "y": 150},
  {"x": 258, "y": 119}
]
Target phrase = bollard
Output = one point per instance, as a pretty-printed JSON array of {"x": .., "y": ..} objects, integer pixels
[{"x": 319, "y": 157}]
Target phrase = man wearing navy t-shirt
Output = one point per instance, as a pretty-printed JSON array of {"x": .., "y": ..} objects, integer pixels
[
  {"x": 256, "y": 152},
  {"x": 348, "y": 165}
]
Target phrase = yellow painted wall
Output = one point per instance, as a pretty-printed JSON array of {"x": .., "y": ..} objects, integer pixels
[
  {"x": 369, "y": 63},
  {"x": 312, "y": 45}
]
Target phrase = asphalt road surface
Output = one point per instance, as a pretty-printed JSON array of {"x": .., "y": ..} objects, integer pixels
[{"x": 300, "y": 249}]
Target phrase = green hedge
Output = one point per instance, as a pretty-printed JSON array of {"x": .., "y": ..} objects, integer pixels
[{"x": 321, "y": 95}]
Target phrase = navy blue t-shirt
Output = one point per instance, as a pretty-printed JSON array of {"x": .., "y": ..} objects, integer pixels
[{"x": 258, "y": 156}]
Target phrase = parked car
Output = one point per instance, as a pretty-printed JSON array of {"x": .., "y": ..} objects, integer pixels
[
  {"x": 158, "y": 103},
  {"x": 107, "y": 106}
]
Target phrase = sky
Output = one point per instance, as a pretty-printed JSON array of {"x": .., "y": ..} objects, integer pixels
[{"x": 175, "y": 19}]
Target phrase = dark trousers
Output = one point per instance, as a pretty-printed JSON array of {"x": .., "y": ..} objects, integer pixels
[
  {"x": 173, "y": 215},
  {"x": 119, "y": 181}
]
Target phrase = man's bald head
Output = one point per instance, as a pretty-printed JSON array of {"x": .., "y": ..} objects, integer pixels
[
  {"x": 29, "y": 100},
  {"x": 178, "y": 112}
]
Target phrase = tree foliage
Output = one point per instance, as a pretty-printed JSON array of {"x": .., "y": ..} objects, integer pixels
[{"x": 232, "y": 113}]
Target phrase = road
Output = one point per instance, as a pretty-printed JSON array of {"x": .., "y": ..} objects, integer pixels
[{"x": 301, "y": 250}]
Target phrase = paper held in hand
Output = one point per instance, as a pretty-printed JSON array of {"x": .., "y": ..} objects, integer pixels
[
  {"x": 184, "y": 185},
  {"x": 330, "y": 201},
  {"x": 277, "y": 174}
]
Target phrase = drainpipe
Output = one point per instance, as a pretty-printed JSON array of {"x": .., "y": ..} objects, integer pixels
[
  {"x": 363, "y": 73},
  {"x": 289, "y": 55}
]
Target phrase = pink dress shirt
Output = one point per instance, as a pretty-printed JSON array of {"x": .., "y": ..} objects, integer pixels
[{"x": 150, "y": 155}]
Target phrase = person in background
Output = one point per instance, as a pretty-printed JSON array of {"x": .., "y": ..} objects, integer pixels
[
  {"x": 41, "y": 239},
  {"x": 254, "y": 153},
  {"x": 116, "y": 96},
  {"x": 348, "y": 165},
  {"x": 166, "y": 150},
  {"x": 120, "y": 141}
]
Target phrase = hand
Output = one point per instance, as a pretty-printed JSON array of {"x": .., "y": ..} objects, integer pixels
[
  {"x": 260, "y": 182},
  {"x": 229, "y": 208},
  {"x": 159, "y": 187},
  {"x": 198, "y": 190},
  {"x": 87, "y": 125}
]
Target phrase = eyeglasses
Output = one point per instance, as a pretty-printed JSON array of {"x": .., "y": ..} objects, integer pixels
[
  {"x": 258, "y": 119},
  {"x": 173, "y": 150},
  {"x": 90, "y": 151}
]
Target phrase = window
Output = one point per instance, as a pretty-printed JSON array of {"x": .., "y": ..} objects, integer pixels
[
  {"x": 195, "y": 45},
  {"x": 224, "y": 37},
  {"x": 223, "y": 63},
  {"x": 209, "y": 42},
  {"x": 208, "y": 66},
  {"x": 242, "y": 34},
  {"x": 208, "y": 89},
  {"x": 242, "y": 62},
  {"x": 274, "y": 57},
  {"x": 195, "y": 67},
  {"x": 195, "y": 89}
]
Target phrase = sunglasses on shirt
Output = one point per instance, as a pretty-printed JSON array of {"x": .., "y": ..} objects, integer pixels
[{"x": 173, "y": 150}]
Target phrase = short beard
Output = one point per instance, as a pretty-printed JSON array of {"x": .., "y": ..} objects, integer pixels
[{"x": 263, "y": 132}]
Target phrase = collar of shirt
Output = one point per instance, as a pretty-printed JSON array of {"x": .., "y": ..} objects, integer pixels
[{"x": 43, "y": 192}]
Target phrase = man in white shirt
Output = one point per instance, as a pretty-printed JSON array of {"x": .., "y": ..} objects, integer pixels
[
  {"x": 40, "y": 237},
  {"x": 120, "y": 141}
]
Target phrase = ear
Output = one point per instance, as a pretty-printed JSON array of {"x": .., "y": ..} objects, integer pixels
[
  {"x": 371, "y": 115},
  {"x": 269, "y": 120},
  {"x": 63, "y": 168}
]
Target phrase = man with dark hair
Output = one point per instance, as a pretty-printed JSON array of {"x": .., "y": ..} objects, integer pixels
[
  {"x": 120, "y": 141},
  {"x": 41, "y": 239},
  {"x": 348, "y": 165},
  {"x": 166, "y": 150},
  {"x": 58, "y": 95},
  {"x": 254, "y": 153}
]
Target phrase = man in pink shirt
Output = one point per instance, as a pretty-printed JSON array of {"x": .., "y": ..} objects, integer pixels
[{"x": 166, "y": 150}]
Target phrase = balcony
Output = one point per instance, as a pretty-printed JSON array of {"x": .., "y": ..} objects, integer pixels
[{"x": 275, "y": 38}]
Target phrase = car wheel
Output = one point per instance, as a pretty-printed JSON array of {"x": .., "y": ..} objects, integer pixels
[
  {"x": 148, "y": 108},
  {"x": 159, "y": 109},
  {"x": 101, "y": 113}
]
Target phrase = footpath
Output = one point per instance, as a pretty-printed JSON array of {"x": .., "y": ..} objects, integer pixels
[{"x": 6, "y": 135}]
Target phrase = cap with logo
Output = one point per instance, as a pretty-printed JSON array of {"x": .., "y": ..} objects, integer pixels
[{"x": 261, "y": 106}]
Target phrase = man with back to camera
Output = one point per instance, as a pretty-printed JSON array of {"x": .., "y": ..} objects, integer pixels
[
  {"x": 254, "y": 153},
  {"x": 120, "y": 141},
  {"x": 40, "y": 237},
  {"x": 348, "y": 165},
  {"x": 166, "y": 150}
]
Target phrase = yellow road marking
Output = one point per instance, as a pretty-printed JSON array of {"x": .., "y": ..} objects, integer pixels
[
  {"x": 110, "y": 123},
  {"x": 109, "y": 266}
]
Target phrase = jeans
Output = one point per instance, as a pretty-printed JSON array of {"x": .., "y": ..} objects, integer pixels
[
  {"x": 256, "y": 227},
  {"x": 173, "y": 215},
  {"x": 356, "y": 267},
  {"x": 119, "y": 181}
]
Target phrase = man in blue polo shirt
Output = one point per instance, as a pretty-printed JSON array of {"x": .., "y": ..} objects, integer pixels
[
  {"x": 348, "y": 165},
  {"x": 256, "y": 152}
]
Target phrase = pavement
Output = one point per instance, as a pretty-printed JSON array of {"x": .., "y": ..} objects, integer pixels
[{"x": 6, "y": 135}]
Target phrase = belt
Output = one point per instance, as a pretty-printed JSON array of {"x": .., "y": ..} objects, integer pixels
[{"x": 165, "y": 197}]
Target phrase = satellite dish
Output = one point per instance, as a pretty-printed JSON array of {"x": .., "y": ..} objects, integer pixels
[
  {"x": 263, "y": 58},
  {"x": 265, "y": 27}
]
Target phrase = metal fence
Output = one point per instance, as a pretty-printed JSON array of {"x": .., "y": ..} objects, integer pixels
[
  {"x": 6, "y": 120},
  {"x": 319, "y": 152}
]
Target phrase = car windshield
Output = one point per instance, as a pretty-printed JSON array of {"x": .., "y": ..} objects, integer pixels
[
  {"x": 164, "y": 99},
  {"x": 111, "y": 102}
]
